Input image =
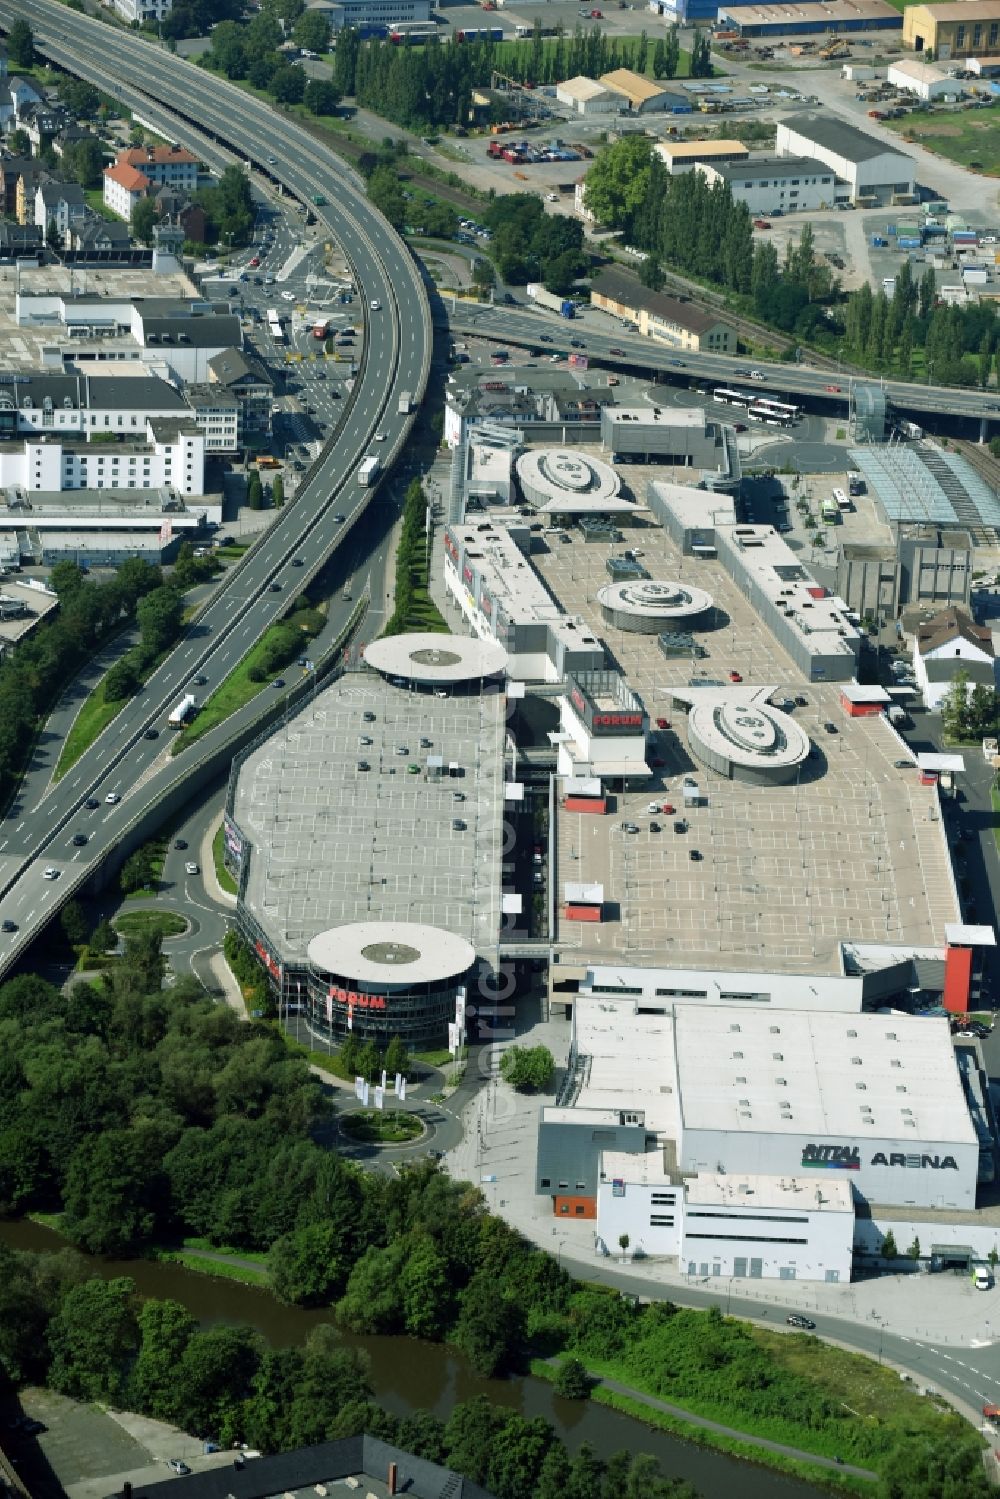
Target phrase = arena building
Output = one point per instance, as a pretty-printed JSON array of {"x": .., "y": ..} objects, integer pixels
[
  {"x": 370, "y": 824},
  {"x": 560, "y": 482},
  {"x": 740, "y": 735},
  {"x": 650, "y": 607}
]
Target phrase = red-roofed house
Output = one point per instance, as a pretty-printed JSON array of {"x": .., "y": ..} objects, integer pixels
[
  {"x": 123, "y": 187},
  {"x": 167, "y": 166}
]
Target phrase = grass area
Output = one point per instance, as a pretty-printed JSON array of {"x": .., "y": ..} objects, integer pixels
[
  {"x": 233, "y": 550},
  {"x": 328, "y": 1060},
  {"x": 157, "y": 858},
  {"x": 439, "y": 1058},
  {"x": 93, "y": 718},
  {"x": 184, "y": 1255},
  {"x": 970, "y": 137},
  {"x": 225, "y": 879},
  {"x": 234, "y": 693},
  {"x": 94, "y": 198},
  {"x": 149, "y": 923},
  {"x": 384, "y": 1128}
]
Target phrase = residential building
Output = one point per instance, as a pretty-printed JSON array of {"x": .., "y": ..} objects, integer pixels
[
  {"x": 139, "y": 12},
  {"x": 165, "y": 166},
  {"x": 948, "y": 645},
  {"x": 20, "y": 241},
  {"x": 808, "y": 17},
  {"x": 666, "y": 319},
  {"x": 249, "y": 384},
  {"x": 868, "y": 170},
  {"x": 23, "y": 92},
  {"x": 42, "y": 122},
  {"x": 124, "y": 186},
  {"x": 953, "y": 30},
  {"x": 789, "y": 184},
  {"x": 684, "y": 156},
  {"x": 585, "y": 96},
  {"x": 72, "y": 136},
  {"x": 58, "y": 208},
  {"x": 12, "y": 168},
  {"x": 165, "y": 454},
  {"x": 641, "y": 96},
  {"x": 99, "y": 236},
  {"x": 24, "y": 195}
]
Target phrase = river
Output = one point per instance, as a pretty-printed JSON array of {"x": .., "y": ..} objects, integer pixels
[{"x": 408, "y": 1375}]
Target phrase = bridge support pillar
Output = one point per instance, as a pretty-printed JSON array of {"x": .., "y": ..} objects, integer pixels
[{"x": 982, "y": 429}]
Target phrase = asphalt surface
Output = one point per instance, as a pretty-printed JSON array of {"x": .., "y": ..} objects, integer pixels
[
  {"x": 124, "y": 764},
  {"x": 827, "y": 390}
]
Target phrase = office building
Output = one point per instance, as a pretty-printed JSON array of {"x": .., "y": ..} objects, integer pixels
[
  {"x": 786, "y": 184},
  {"x": 868, "y": 170}
]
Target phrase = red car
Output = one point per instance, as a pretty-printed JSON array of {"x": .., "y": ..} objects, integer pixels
[
  {"x": 833, "y": 389},
  {"x": 255, "y": 262},
  {"x": 663, "y": 723},
  {"x": 735, "y": 676},
  {"x": 668, "y": 809},
  {"x": 618, "y": 353},
  {"x": 761, "y": 224}
]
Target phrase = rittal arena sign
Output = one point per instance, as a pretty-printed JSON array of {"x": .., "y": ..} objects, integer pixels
[{"x": 848, "y": 1158}]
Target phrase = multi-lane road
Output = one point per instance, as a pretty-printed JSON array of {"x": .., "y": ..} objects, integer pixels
[
  {"x": 538, "y": 328},
  {"x": 124, "y": 764}
]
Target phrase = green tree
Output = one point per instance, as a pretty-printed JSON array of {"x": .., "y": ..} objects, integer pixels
[
  {"x": 528, "y": 1069},
  {"x": 214, "y": 1376},
  {"x": 425, "y": 1286},
  {"x": 122, "y": 681},
  {"x": 83, "y": 162},
  {"x": 913, "y": 1253},
  {"x": 138, "y": 870},
  {"x": 651, "y": 273},
  {"x": 372, "y": 1301},
  {"x": 21, "y": 45},
  {"x": 955, "y": 707},
  {"x": 386, "y": 194},
  {"x": 278, "y": 492},
  {"x": 288, "y": 85},
  {"x": 165, "y": 1329},
  {"x": 113, "y": 1187},
  {"x": 490, "y": 1327},
  {"x": 888, "y": 1251},
  {"x": 397, "y": 1058},
  {"x": 160, "y": 615},
  {"x": 573, "y": 1382},
  {"x": 255, "y": 491},
  {"x": 305, "y": 1267},
  {"x": 312, "y": 31},
  {"x": 320, "y": 97},
  {"x": 91, "y": 1339},
  {"x": 925, "y": 1467},
  {"x": 73, "y": 922},
  {"x": 623, "y": 1243},
  {"x": 145, "y": 215},
  {"x": 618, "y": 181},
  {"x": 104, "y": 937}
]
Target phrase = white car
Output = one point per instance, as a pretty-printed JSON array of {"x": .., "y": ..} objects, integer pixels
[
  {"x": 756, "y": 375},
  {"x": 380, "y": 437},
  {"x": 190, "y": 868},
  {"x": 112, "y": 798},
  {"x": 376, "y": 305},
  {"x": 288, "y": 296},
  {"x": 51, "y": 874}
]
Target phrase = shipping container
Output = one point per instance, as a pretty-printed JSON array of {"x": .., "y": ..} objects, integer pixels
[
  {"x": 583, "y": 913},
  {"x": 596, "y": 805}
]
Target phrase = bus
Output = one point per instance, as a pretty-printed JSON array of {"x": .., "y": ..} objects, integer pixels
[
  {"x": 480, "y": 34},
  {"x": 829, "y": 512},
  {"x": 412, "y": 31},
  {"x": 776, "y": 413},
  {"x": 841, "y": 500},
  {"x": 732, "y": 397},
  {"x": 274, "y": 325}
]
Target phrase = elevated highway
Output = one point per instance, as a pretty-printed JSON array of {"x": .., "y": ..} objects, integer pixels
[{"x": 214, "y": 116}]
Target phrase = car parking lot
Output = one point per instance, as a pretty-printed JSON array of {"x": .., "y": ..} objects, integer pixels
[{"x": 781, "y": 874}]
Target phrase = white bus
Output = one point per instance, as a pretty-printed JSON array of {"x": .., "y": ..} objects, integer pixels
[
  {"x": 841, "y": 500},
  {"x": 780, "y": 413},
  {"x": 727, "y": 397},
  {"x": 274, "y": 325}
]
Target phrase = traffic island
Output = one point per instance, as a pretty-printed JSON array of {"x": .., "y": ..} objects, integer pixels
[{"x": 373, "y": 1127}]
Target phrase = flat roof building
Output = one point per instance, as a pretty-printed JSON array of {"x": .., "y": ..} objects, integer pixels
[
  {"x": 737, "y": 733},
  {"x": 685, "y": 437},
  {"x": 807, "y": 18},
  {"x": 503, "y": 599},
  {"x": 556, "y": 481},
  {"x": 869, "y": 169},
  {"x": 953, "y": 30},
  {"x": 789, "y": 184},
  {"x": 683, "y": 156},
  {"x": 924, "y": 80}
]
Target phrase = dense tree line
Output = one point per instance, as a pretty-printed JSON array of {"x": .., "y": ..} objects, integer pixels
[
  {"x": 961, "y": 345},
  {"x": 251, "y": 51},
  {"x": 530, "y": 245},
  {"x": 970, "y": 714},
  {"x": 33, "y": 674},
  {"x": 413, "y": 608},
  {"x": 95, "y": 1340}
]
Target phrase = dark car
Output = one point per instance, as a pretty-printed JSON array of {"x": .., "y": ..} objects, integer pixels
[
  {"x": 79, "y": 839},
  {"x": 297, "y": 562},
  {"x": 276, "y": 586},
  {"x": 278, "y": 682},
  {"x": 680, "y": 826},
  {"x": 180, "y": 843},
  {"x": 8, "y": 926},
  {"x": 831, "y": 728},
  {"x": 801, "y": 702},
  {"x": 577, "y": 343},
  {"x": 546, "y": 338},
  {"x": 654, "y": 827},
  {"x": 91, "y": 804},
  {"x": 339, "y": 519},
  {"x": 620, "y": 353},
  {"x": 795, "y": 1319},
  {"x": 694, "y": 855},
  {"x": 152, "y": 734},
  {"x": 200, "y": 680}
]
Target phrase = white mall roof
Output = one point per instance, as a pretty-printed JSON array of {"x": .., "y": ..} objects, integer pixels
[
  {"x": 959, "y": 934},
  {"x": 393, "y": 953},
  {"x": 432, "y": 658},
  {"x": 955, "y": 763},
  {"x": 821, "y": 1075},
  {"x": 755, "y": 735}
]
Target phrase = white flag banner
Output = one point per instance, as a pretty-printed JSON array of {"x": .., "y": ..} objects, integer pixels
[
  {"x": 402, "y": 1090},
  {"x": 379, "y": 1098},
  {"x": 359, "y": 1088},
  {"x": 383, "y": 1079},
  {"x": 329, "y": 1010},
  {"x": 364, "y": 1096},
  {"x": 399, "y": 1079},
  {"x": 453, "y": 1042}
]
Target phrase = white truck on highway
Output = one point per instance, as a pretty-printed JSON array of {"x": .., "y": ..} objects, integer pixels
[
  {"x": 180, "y": 715},
  {"x": 405, "y": 403},
  {"x": 368, "y": 469}
]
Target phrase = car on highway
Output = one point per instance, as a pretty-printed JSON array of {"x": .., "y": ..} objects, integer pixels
[
  {"x": 340, "y": 519},
  {"x": 272, "y": 161},
  {"x": 380, "y": 437},
  {"x": 8, "y": 926},
  {"x": 375, "y": 305},
  {"x": 255, "y": 262},
  {"x": 50, "y": 874},
  {"x": 275, "y": 586},
  {"x": 278, "y": 682},
  {"x": 177, "y": 1466},
  {"x": 180, "y": 843},
  {"x": 545, "y": 337},
  {"x": 79, "y": 839},
  {"x": 200, "y": 680},
  {"x": 91, "y": 804},
  {"x": 112, "y": 798},
  {"x": 151, "y": 734},
  {"x": 795, "y": 1319},
  {"x": 678, "y": 364},
  {"x": 577, "y": 343},
  {"x": 619, "y": 353},
  {"x": 756, "y": 375},
  {"x": 834, "y": 390},
  {"x": 190, "y": 867},
  {"x": 297, "y": 562}
]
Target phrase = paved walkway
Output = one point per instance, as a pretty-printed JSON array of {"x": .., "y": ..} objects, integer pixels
[{"x": 680, "y": 1414}]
